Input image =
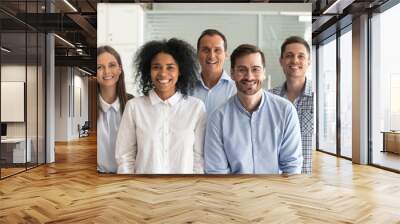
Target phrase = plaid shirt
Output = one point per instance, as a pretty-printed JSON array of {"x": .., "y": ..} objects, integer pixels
[{"x": 304, "y": 105}]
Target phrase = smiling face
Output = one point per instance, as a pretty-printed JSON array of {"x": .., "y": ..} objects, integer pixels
[
  {"x": 164, "y": 73},
  {"x": 295, "y": 60},
  {"x": 248, "y": 73},
  {"x": 108, "y": 70},
  {"x": 211, "y": 54}
]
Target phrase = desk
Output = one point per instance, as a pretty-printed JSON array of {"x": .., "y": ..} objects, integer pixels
[
  {"x": 15, "y": 148},
  {"x": 391, "y": 141}
]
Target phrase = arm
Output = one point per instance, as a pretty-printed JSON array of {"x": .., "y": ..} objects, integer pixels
[
  {"x": 290, "y": 155},
  {"x": 126, "y": 147},
  {"x": 216, "y": 161},
  {"x": 199, "y": 132}
]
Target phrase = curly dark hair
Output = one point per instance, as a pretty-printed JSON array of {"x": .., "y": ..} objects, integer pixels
[{"x": 181, "y": 51}]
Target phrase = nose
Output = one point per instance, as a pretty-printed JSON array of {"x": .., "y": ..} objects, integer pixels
[
  {"x": 212, "y": 54},
  {"x": 163, "y": 72},
  {"x": 248, "y": 74},
  {"x": 107, "y": 70},
  {"x": 295, "y": 59}
]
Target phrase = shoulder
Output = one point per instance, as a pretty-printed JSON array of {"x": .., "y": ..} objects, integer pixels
[
  {"x": 225, "y": 109},
  {"x": 276, "y": 90},
  {"x": 230, "y": 83},
  {"x": 136, "y": 101},
  {"x": 194, "y": 102},
  {"x": 277, "y": 102}
]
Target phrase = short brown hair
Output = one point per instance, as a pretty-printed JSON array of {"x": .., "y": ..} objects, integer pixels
[
  {"x": 292, "y": 40},
  {"x": 212, "y": 32},
  {"x": 243, "y": 50}
]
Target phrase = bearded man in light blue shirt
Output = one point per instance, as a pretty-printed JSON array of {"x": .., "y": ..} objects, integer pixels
[
  {"x": 254, "y": 132},
  {"x": 214, "y": 87}
]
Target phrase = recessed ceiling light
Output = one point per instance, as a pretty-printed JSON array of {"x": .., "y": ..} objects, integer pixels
[
  {"x": 70, "y": 5},
  {"x": 64, "y": 40},
  {"x": 5, "y": 50},
  {"x": 84, "y": 71}
]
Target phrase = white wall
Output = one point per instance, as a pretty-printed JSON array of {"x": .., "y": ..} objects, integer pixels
[
  {"x": 264, "y": 25},
  {"x": 121, "y": 26},
  {"x": 33, "y": 126},
  {"x": 14, "y": 73},
  {"x": 70, "y": 84}
]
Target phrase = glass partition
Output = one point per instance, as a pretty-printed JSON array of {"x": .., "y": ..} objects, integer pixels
[
  {"x": 327, "y": 96},
  {"x": 22, "y": 91},
  {"x": 385, "y": 89},
  {"x": 346, "y": 93},
  {"x": 14, "y": 154}
]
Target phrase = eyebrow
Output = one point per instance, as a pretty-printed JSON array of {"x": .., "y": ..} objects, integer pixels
[
  {"x": 156, "y": 63},
  {"x": 253, "y": 66},
  {"x": 290, "y": 52}
]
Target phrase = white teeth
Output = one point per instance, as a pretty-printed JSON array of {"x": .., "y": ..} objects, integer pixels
[
  {"x": 107, "y": 77},
  {"x": 211, "y": 62},
  {"x": 249, "y": 82},
  {"x": 163, "y": 81}
]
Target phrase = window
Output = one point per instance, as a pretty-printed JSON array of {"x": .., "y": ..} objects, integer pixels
[
  {"x": 385, "y": 85},
  {"x": 346, "y": 93},
  {"x": 327, "y": 96}
]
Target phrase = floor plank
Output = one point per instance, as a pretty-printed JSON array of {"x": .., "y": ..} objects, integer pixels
[{"x": 71, "y": 191}]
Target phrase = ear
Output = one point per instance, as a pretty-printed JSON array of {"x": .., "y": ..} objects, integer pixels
[
  {"x": 232, "y": 74},
  {"x": 264, "y": 75},
  {"x": 280, "y": 61}
]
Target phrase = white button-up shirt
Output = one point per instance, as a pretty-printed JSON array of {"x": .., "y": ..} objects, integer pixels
[
  {"x": 107, "y": 128},
  {"x": 161, "y": 137}
]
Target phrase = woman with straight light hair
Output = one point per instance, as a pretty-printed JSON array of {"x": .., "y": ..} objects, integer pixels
[{"x": 111, "y": 103}]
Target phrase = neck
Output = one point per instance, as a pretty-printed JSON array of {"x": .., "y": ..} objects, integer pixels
[
  {"x": 250, "y": 102},
  {"x": 294, "y": 87},
  {"x": 109, "y": 94},
  {"x": 165, "y": 95},
  {"x": 210, "y": 79}
]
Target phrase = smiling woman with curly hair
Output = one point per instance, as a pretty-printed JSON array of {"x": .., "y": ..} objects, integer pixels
[{"x": 162, "y": 132}]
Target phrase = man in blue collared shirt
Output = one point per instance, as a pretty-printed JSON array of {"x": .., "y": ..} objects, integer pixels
[
  {"x": 255, "y": 131},
  {"x": 214, "y": 87}
]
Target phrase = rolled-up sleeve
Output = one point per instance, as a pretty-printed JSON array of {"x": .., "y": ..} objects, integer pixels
[
  {"x": 126, "y": 144},
  {"x": 290, "y": 154},
  {"x": 214, "y": 154}
]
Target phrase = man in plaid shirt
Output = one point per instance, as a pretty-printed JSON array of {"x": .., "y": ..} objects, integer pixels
[{"x": 295, "y": 60}]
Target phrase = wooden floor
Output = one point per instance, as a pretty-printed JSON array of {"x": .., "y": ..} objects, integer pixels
[
  {"x": 387, "y": 159},
  {"x": 71, "y": 191}
]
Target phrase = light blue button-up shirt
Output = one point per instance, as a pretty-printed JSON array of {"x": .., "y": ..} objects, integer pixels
[
  {"x": 266, "y": 141},
  {"x": 216, "y": 96}
]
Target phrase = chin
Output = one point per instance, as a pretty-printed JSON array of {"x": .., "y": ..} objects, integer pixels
[{"x": 108, "y": 84}]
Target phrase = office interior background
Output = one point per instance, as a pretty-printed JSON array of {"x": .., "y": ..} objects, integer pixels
[{"x": 48, "y": 84}]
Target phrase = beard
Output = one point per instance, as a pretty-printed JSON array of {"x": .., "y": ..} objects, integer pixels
[{"x": 249, "y": 87}]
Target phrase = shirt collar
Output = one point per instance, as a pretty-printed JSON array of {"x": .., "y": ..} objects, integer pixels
[
  {"x": 224, "y": 77},
  {"x": 106, "y": 106},
  {"x": 307, "y": 89},
  {"x": 243, "y": 110},
  {"x": 155, "y": 99}
]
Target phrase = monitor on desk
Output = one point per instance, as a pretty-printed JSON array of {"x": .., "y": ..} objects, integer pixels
[{"x": 3, "y": 130}]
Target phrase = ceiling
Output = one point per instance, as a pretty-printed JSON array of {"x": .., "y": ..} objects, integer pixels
[{"x": 76, "y": 22}]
